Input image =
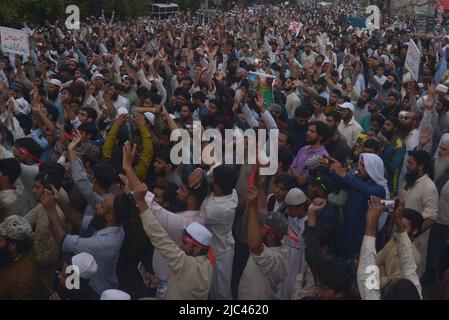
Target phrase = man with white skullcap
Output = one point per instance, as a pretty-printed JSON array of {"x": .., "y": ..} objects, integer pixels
[
  {"x": 86, "y": 265},
  {"x": 54, "y": 96},
  {"x": 441, "y": 91},
  {"x": 191, "y": 263},
  {"x": 114, "y": 294},
  {"x": 80, "y": 267},
  {"x": 19, "y": 277}
]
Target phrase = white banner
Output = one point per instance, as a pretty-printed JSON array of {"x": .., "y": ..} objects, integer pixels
[
  {"x": 413, "y": 60},
  {"x": 14, "y": 41}
]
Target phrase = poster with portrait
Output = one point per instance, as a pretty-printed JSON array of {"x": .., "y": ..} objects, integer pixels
[
  {"x": 262, "y": 83},
  {"x": 441, "y": 16}
]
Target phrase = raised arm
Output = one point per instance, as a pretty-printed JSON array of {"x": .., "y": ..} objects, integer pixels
[
  {"x": 147, "y": 147},
  {"x": 169, "y": 250},
  {"x": 49, "y": 203},
  {"x": 79, "y": 174},
  {"x": 405, "y": 252},
  {"x": 312, "y": 236},
  {"x": 255, "y": 241},
  {"x": 111, "y": 138},
  {"x": 354, "y": 182},
  {"x": 368, "y": 277}
]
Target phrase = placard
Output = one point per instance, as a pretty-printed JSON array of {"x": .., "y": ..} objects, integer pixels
[{"x": 15, "y": 41}]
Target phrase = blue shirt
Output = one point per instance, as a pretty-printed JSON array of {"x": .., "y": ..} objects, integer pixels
[
  {"x": 42, "y": 141},
  {"x": 104, "y": 245},
  {"x": 327, "y": 216},
  {"x": 354, "y": 213}
]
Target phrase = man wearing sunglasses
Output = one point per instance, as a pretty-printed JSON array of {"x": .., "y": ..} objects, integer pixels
[{"x": 190, "y": 263}]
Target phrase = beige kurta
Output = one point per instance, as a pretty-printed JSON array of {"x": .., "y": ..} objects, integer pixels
[
  {"x": 422, "y": 197},
  {"x": 44, "y": 244},
  {"x": 263, "y": 274},
  {"x": 191, "y": 276}
]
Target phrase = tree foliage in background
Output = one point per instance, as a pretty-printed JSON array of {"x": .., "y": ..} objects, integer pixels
[{"x": 14, "y": 13}]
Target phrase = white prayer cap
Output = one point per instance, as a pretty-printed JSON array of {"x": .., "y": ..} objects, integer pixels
[
  {"x": 55, "y": 82},
  {"x": 86, "y": 265},
  {"x": 113, "y": 294},
  {"x": 441, "y": 88},
  {"x": 404, "y": 113},
  {"x": 150, "y": 116},
  {"x": 295, "y": 197},
  {"x": 121, "y": 111},
  {"x": 347, "y": 105},
  {"x": 199, "y": 233}
]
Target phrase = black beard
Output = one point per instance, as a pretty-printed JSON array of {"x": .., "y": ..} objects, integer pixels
[
  {"x": 98, "y": 222},
  {"x": 361, "y": 104},
  {"x": 387, "y": 85},
  {"x": 160, "y": 174},
  {"x": 410, "y": 179},
  {"x": 311, "y": 142},
  {"x": 114, "y": 98},
  {"x": 53, "y": 95}
]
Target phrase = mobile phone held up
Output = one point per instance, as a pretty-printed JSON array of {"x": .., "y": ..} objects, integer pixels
[
  {"x": 388, "y": 206},
  {"x": 142, "y": 271}
]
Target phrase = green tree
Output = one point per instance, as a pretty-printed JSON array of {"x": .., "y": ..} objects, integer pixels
[{"x": 37, "y": 11}]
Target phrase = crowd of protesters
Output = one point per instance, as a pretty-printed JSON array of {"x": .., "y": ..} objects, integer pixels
[{"x": 358, "y": 207}]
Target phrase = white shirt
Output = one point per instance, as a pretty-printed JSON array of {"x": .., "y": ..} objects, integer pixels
[
  {"x": 381, "y": 80},
  {"x": 122, "y": 102},
  {"x": 368, "y": 258},
  {"x": 219, "y": 213},
  {"x": 296, "y": 255},
  {"x": 25, "y": 181},
  {"x": 292, "y": 102},
  {"x": 350, "y": 131},
  {"x": 422, "y": 197}
]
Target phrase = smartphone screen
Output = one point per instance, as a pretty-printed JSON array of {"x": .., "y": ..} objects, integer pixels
[
  {"x": 142, "y": 271},
  {"x": 388, "y": 205}
]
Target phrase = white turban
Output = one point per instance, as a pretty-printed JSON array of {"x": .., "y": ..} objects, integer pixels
[{"x": 375, "y": 168}]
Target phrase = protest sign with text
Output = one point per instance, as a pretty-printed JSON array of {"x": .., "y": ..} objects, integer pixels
[
  {"x": 413, "y": 60},
  {"x": 14, "y": 41}
]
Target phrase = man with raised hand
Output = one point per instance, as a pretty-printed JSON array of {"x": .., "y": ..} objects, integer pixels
[{"x": 368, "y": 278}]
